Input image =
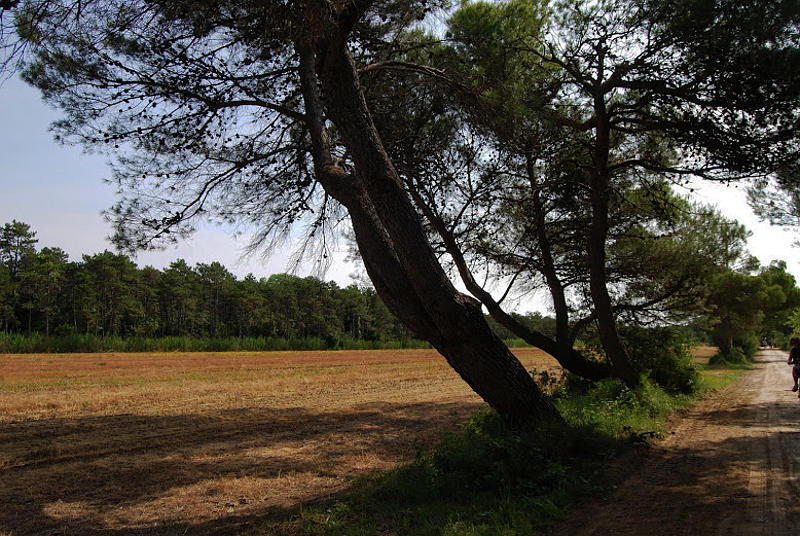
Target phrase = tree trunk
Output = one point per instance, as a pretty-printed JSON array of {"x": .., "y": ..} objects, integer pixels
[
  {"x": 459, "y": 333},
  {"x": 606, "y": 322},
  {"x": 598, "y": 286},
  {"x": 564, "y": 339},
  {"x": 725, "y": 344},
  {"x": 390, "y": 236},
  {"x": 596, "y": 249}
]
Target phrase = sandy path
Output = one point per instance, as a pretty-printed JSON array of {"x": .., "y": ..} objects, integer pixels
[{"x": 728, "y": 466}]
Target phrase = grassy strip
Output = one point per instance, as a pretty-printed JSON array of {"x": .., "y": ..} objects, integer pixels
[
  {"x": 491, "y": 479},
  {"x": 37, "y": 343}
]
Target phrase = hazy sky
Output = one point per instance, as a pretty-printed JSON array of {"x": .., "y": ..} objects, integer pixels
[{"x": 58, "y": 190}]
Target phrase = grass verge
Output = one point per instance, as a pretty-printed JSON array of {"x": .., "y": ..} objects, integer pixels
[{"x": 492, "y": 479}]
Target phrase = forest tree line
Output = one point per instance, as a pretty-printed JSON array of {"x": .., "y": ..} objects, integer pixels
[{"x": 106, "y": 294}]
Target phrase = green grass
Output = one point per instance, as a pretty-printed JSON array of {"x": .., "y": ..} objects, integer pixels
[
  {"x": 11, "y": 343},
  {"x": 719, "y": 376},
  {"x": 488, "y": 479},
  {"x": 492, "y": 479},
  {"x": 618, "y": 411}
]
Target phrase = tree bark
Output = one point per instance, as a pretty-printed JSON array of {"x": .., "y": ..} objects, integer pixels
[
  {"x": 390, "y": 236},
  {"x": 596, "y": 249}
]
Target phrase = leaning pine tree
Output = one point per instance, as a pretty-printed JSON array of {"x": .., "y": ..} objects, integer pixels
[{"x": 254, "y": 113}]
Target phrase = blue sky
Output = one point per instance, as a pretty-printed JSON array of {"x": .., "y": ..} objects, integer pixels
[{"x": 59, "y": 191}]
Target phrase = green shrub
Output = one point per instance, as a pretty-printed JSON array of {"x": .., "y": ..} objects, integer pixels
[
  {"x": 13, "y": 343},
  {"x": 490, "y": 455},
  {"x": 614, "y": 409},
  {"x": 748, "y": 345},
  {"x": 664, "y": 355},
  {"x": 736, "y": 357},
  {"x": 742, "y": 352}
]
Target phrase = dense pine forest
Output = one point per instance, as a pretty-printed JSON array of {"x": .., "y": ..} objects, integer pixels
[
  {"x": 107, "y": 295},
  {"x": 104, "y": 301}
]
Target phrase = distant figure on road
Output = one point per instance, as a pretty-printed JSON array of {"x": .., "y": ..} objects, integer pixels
[{"x": 794, "y": 359}]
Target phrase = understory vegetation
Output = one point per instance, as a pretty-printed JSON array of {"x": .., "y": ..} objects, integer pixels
[
  {"x": 38, "y": 343},
  {"x": 491, "y": 478}
]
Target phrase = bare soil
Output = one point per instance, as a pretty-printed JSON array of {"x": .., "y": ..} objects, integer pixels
[
  {"x": 219, "y": 443},
  {"x": 210, "y": 443},
  {"x": 729, "y": 465}
]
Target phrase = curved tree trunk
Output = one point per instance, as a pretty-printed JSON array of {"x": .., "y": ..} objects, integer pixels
[
  {"x": 596, "y": 248},
  {"x": 390, "y": 236}
]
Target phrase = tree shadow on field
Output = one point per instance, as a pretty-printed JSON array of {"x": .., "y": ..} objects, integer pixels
[{"x": 203, "y": 473}]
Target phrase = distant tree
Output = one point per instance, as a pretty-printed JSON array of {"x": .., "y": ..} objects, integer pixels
[
  {"x": 113, "y": 278},
  {"x": 354, "y": 309},
  {"x": 44, "y": 281},
  {"x": 748, "y": 307},
  {"x": 79, "y": 301},
  {"x": 739, "y": 301},
  {"x": 786, "y": 299},
  {"x": 218, "y": 286},
  {"x": 17, "y": 250},
  {"x": 17, "y": 246},
  {"x": 146, "y": 292},
  {"x": 7, "y": 319},
  {"x": 250, "y": 307},
  {"x": 179, "y": 293}
]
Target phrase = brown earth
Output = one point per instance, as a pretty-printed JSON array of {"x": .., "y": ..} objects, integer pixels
[
  {"x": 210, "y": 443},
  {"x": 729, "y": 466},
  {"x": 213, "y": 443}
]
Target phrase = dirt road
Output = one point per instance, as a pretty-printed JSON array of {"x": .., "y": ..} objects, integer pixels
[{"x": 729, "y": 466}]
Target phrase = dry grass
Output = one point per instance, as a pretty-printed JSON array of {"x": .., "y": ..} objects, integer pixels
[
  {"x": 703, "y": 352},
  {"x": 121, "y": 443},
  {"x": 211, "y": 443}
]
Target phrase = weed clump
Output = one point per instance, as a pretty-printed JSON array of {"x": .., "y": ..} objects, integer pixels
[{"x": 610, "y": 407}]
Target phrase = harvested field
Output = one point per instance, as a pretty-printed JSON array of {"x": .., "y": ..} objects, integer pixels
[
  {"x": 702, "y": 353},
  {"x": 210, "y": 443}
]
